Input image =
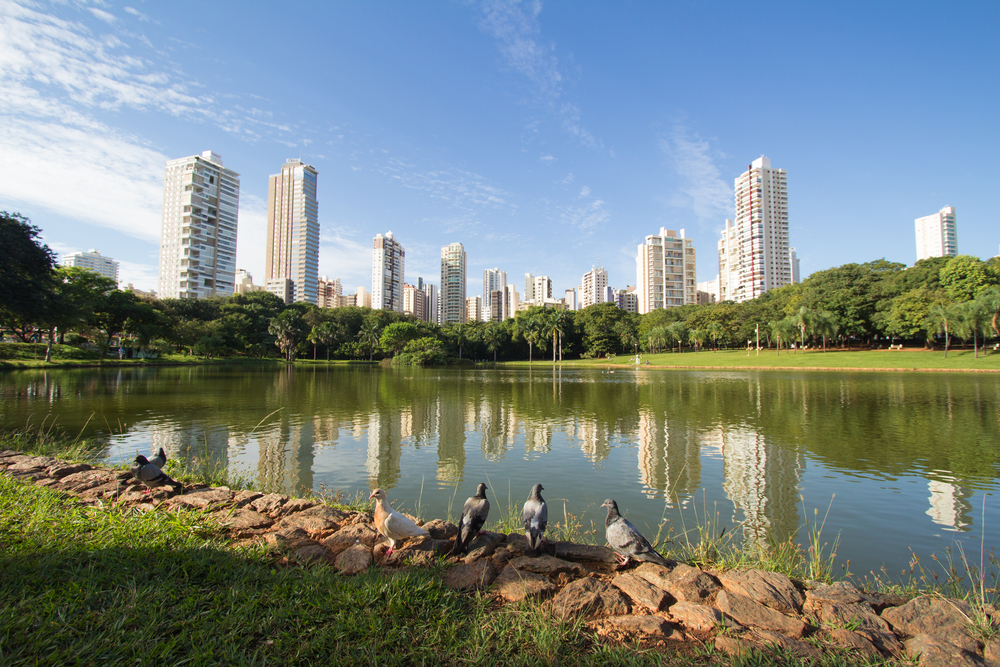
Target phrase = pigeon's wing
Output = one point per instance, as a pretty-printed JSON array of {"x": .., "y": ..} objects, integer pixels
[
  {"x": 149, "y": 473},
  {"x": 543, "y": 517},
  {"x": 398, "y": 526},
  {"x": 633, "y": 543},
  {"x": 160, "y": 459},
  {"x": 621, "y": 537}
]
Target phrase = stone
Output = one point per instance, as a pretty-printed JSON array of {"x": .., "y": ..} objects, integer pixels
[
  {"x": 796, "y": 647},
  {"x": 642, "y": 592},
  {"x": 88, "y": 479},
  {"x": 858, "y": 615},
  {"x": 312, "y": 554},
  {"x": 844, "y": 638},
  {"x": 243, "y": 521},
  {"x": 289, "y": 539},
  {"x": 60, "y": 470},
  {"x": 516, "y": 544},
  {"x": 589, "y": 596},
  {"x": 244, "y": 498},
  {"x": 501, "y": 557},
  {"x": 33, "y": 463},
  {"x": 485, "y": 551},
  {"x": 841, "y": 592},
  {"x": 402, "y": 557},
  {"x": 649, "y": 626},
  {"x": 46, "y": 481},
  {"x": 203, "y": 498},
  {"x": 991, "y": 652},
  {"x": 929, "y": 615},
  {"x": 768, "y": 588},
  {"x": 548, "y": 566},
  {"x": 108, "y": 490},
  {"x": 699, "y": 620},
  {"x": 476, "y": 576},
  {"x": 882, "y": 601},
  {"x": 683, "y": 582},
  {"x": 296, "y": 505},
  {"x": 311, "y": 523},
  {"x": 587, "y": 554},
  {"x": 734, "y": 645},
  {"x": 515, "y": 585},
  {"x": 270, "y": 504},
  {"x": 441, "y": 529},
  {"x": 354, "y": 559},
  {"x": 751, "y": 613},
  {"x": 359, "y": 533},
  {"x": 935, "y": 651}
]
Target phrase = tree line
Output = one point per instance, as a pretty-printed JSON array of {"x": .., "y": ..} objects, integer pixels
[{"x": 875, "y": 303}]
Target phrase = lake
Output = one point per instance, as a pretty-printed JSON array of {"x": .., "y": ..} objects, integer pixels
[{"x": 906, "y": 459}]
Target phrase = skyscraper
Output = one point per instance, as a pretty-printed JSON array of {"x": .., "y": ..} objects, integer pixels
[
  {"x": 937, "y": 235},
  {"x": 666, "y": 272},
  {"x": 201, "y": 201},
  {"x": 414, "y": 301},
  {"x": 93, "y": 261},
  {"x": 493, "y": 280},
  {"x": 593, "y": 288},
  {"x": 388, "y": 260},
  {"x": 793, "y": 263},
  {"x": 293, "y": 230},
  {"x": 453, "y": 284},
  {"x": 753, "y": 252}
]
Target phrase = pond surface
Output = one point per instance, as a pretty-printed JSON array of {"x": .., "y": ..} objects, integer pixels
[{"x": 905, "y": 461}]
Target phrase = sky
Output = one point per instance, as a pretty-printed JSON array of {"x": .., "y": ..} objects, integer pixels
[{"x": 547, "y": 137}]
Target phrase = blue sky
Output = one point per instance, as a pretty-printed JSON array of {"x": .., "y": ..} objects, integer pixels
[{"x": 544, "y": 136}]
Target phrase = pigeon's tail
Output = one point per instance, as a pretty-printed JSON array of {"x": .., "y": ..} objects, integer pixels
[
  {"x": 534, "y": 547},
  {"x": 654, "y": 556},
  {"x": 460, "y": 544}
]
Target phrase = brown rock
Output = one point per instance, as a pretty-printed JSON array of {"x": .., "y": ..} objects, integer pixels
[
  {"x": 245, "y": 497},
  {"x": 289, "y": 538},
  {"x": 312, "y": 554},
  {"x": 359, "y": 533},
  {"x": 311, "y": 523},
  {"x": 930, "y": 616},
  {"x": 587, "y": 554},
  {"x": 46, "y": 481},
  {"x": 751, "y": 613},
  {"x": 642, "y": 592},
  {"x": 33, "y": 464},
  {"x": 501, "y": 557},
  {"x": 477, "y": 576},
  {"x": 516, "y": 544},
  {"x": 203, "y": 498},
  {"x": 354, "y": 559},
  {"x": 649, "y": 626},
  {"x": 242, "y": 521},
  {"x": 882, "y": 601},
  {"x": 841, "y": 592},
  {"x": 441, "y": 529},
  {"x": 991, "y": 652},
  {"x": 859, "y": 615},
  {"x": 515, "y": 585},
  {"x": 484, "y": 551},
  {"x": 700, "y": 620},
  {"x": 548, "y": 566},
  {"x": 108, "y": 490},
  {"x": 768, "y": 588},
  {"x": 297, "y": 505},
  {"x": 88, "y": 479},
  {"x": 844, "y": 638},
  {"x": 935, "y": 651},
  {"x": 683, "y": 582},
  {"x": 401, "y": 557},
  {"x": 796, "y": 647},
  {"x": 270, "y": 504},
  {"x": 734, "y": 645},
  {"x": 589, "y": 596},
  {"x": 60, "y": 470}
]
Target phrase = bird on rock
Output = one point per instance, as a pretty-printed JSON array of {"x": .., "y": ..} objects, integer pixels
[
  {"x": 391, "y": 523},
  {"x": 160, "y": 459},
  {"x": 626, "y": 540},
  {"x": 151, "y": 475},
  {"x": 536, "y": 516},
  {"x": 474, "y": 514}
]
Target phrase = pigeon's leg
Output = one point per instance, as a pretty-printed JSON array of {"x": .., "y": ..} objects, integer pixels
[
  {"x": 622, "y": 560},
  {"x": 147, "y": 490}
]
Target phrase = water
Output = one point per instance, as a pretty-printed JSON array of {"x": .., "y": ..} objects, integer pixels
[{"x": 907, "y": 459}]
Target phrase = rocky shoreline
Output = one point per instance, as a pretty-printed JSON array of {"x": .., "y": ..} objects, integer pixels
[{"x": 735, "y": 611}]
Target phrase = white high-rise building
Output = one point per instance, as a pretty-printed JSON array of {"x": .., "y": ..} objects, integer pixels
[
  {"x": 937, "y": 235},
  {"x": 201, "y": 201},
  {"x": 666, "y": 272},
  {"x": 793, "y": 262},
  {"x": 452, "y": 297},
  {"x": 92, "y": 260},
  {"x": 753, "y": 251},
  {"x": 594, "y": 287},
  {"x": 513, "y": 300},
  {"x": 388, "y": 264},
  {"x": 473, "y": 309},
  {"x": 414, "y": 302},
  {"x": 293, "y": 230},
  {"x": 433, "y": 303},
  {"x": 570, "y": 299},
  {"x": 537, "y": 290},
  {"x": 493, "y": 280}
]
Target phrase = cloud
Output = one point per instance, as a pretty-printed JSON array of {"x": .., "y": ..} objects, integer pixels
[
  {"x": 547, "y": 159},
  {"x": 585, "y": 191},
  {"x": 568, "y": 180},
  {"x": 136, "y": 13},
  {"x": 344, "y": 257},
  {"x": 463, "y": 190},
  {"x": 103, "y": 15},
  {"x": 587, "y": 218},
  {"x": 701, "y": 187}
]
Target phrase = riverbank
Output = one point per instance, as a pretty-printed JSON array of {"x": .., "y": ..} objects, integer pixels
[{"x": 225, "y": 576}]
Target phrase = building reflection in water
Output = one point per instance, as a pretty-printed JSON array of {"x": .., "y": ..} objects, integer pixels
[
  {"x": 451, "y": 442},
  {"x": 669, "y": 458},
  {"x": 286, "y": 457},
  {"x": 384, "y": 449},
  {"x": 950, "y": 506}
]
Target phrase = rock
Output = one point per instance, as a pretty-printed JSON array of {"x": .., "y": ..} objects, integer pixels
[
  {"x": 501, "y": 557},
  {"x": 589, "y": 596},
  {"x": 734, "y": 645},
  {"x": 88, "y": 479},
  {"x": 244, "y": 498},
  {"x": 441, "y": 529},
  {"x": 354, "y": 559},
  {"x": 203, "y": 498},
  {"x": 935, "y": 651},
  {"x": 359, "y": 533},
  {"x": 313, "y": 553},
  {"x": 649, "y": 626},
  {"x": 477, "y": 576},
  {"x": 60, "y": 470},
  {"x": 46, "y": 481},
  {"x": 110, "y": 489},
  {"x": 753, "y": 614},
  {"x": 930, "y": 616},
  {"x": 642, "y": 592},
  {"x": 289, "y": 539},
  {"x": 483, "y": 546},
  {"x": 862, "y": 618},
  {"x": 270, "y": 504},
  {"x": 515, "y": 585},
  {"x": 991, "y": 652},
  {"x": 485, "y": 551},
  {"x": 768, "y": 588},
  {"x": 516, "y": 544},
  {"x": 683, "y": 582},
  {"x": 798, "y": 648},
  {"x": 548, "y": 566},
  {"x": 841, "y": 592},
  {"x": 296, "y": 505},
  {"x": 243, "y": 521},
  {"x": 882, "y": 601},
  {"x": 699, "y": 620},
  {"x": 402, "y": 557},
  {"x": 593, "y": 557},
  {"x": 844, "y": 638},
  {"x": 33, "y": 464},
  {"x": 311, "y": 523}
]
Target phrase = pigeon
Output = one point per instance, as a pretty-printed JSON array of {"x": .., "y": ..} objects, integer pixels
[
  {"x": 391, "y": 523},
  {"x": 474, "y": 514},
  {"x": 626, "y": 540},
  {"x": 536, "y": 515},
  {"x": 152, "y": 476},
  {"x": 160, "y": 459}
]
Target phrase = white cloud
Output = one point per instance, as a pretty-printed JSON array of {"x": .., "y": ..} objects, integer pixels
[
  {"x": 587, "y": 218},
  {"x": 141, "y": 276},
  {"x": 103, "y": 15},
  {"x": 547, "y": 159},
  {"x": 701, "y": 186},
  {"x": 136, "y": 13},
  {"x": 463, "y": 190},
  {"x": 345, "y": 258},
  {"x": 250, "y": 234},
  {"x": 585, "y": 191}
]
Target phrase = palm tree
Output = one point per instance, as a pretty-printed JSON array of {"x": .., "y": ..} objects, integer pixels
[
  {"x": 548, "y": 325},
  {"x": 493, "y": 336},
  {"x": 527, "y": 326},
  {"x": 803, "y": 319},
  {"x": 970, "y": 317},
  {"x": 369, "y": 334},
  {"x": 940, "y": 317},
  {"x": 990, "y": 298},
  {"x": 460, "y": 336},
  {"x": 782, "y": 329},
  {"x": 677, "y": 331},
  {"x": 697, "y": 336},
  {"x": 825, "y": 324},
  {"x": 564, "y": 319},
  {"x": 655, "y": 338},
  {"x": 287, "y": 329},
  {"x": 715, "y": 332}
]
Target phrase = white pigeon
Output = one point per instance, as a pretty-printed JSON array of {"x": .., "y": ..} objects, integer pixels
[{"x": 391, "y": 523}]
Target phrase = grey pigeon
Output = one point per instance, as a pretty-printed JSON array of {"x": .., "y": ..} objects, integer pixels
[
  {"x": 152, "y": 476},
  {"x": 160, "y": 459},
  {"x": 626, "y": 540},
  {"x": 536, "y": 516},
  {"x": 474, "y": 514}
]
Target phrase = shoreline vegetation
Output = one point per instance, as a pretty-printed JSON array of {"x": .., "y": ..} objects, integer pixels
[{"x": 121, "y": 576}]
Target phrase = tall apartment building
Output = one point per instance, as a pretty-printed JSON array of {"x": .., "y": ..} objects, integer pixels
[
  {"x": 473, "y": 309},
  {"x": 626, "y": 299},
  {"x": 537, "y": 289},
  {"x": 666, "y": 272},
  {"x": 493, "y": 280},
  {"x": 201, "y": 201},
  {"x": 498, "y": 299},
  {"x": 452, "y": 297},
  {"x": 512, "y": 300},
  {"x": 244, "y": 283},
  {"x": 753, "y": 251},
  {"x": 937, "y": 235},
  {"x": 92, "y": 260},
  {"x": 433, "y": 303},
  {"x": 594, "y": 287},
  {"x": 328, "y": 292},
  {"x": 414, "y": 301},
  {"x": 292, "y": 249},
  {"x": 362, "y": 298},
  {"x": 388, "y": 263},
  {"x": 570, "y": 299},
  {"x": 793, "y": 263}
]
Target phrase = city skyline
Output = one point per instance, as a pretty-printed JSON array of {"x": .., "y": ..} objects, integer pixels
[{"x": 542, "y": 135}]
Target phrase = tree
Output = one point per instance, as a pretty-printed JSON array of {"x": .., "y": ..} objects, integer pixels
[
  {"x": 396, "y": 335},
  {"x": 677, "y": 331},
  {"x": 964, "y": 276},
  {"x": 116, "y": 312},
  {"x": 370, "y": 333},
  {"x": 563, "y": 323},
  {"x": 288, "y": 328},
  {"x": 803, "y": 318},
  {"x": 941, "y": 315},
  {"x": 492, "y": 337},
  {"x": 326, "y": 334},
  {"x": 598, "y": 324},
  {"x": 628, "y": 333},
  {"x": 990, "y": 298},
  {"x": 459, "y": 331},
  {"x": 714, "y": 331},
  {"x": 825, "y": 324},
  {"x": 783, "y": 329},
  {"x": 72, "y": 301},
  {"x": 26, "y": 275},
  {"x": 697, "y": 336},
  {"x": 970, "y": 318},
  {"x": 655, "y": 338},
  {"x": 527, "y": 326}
]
